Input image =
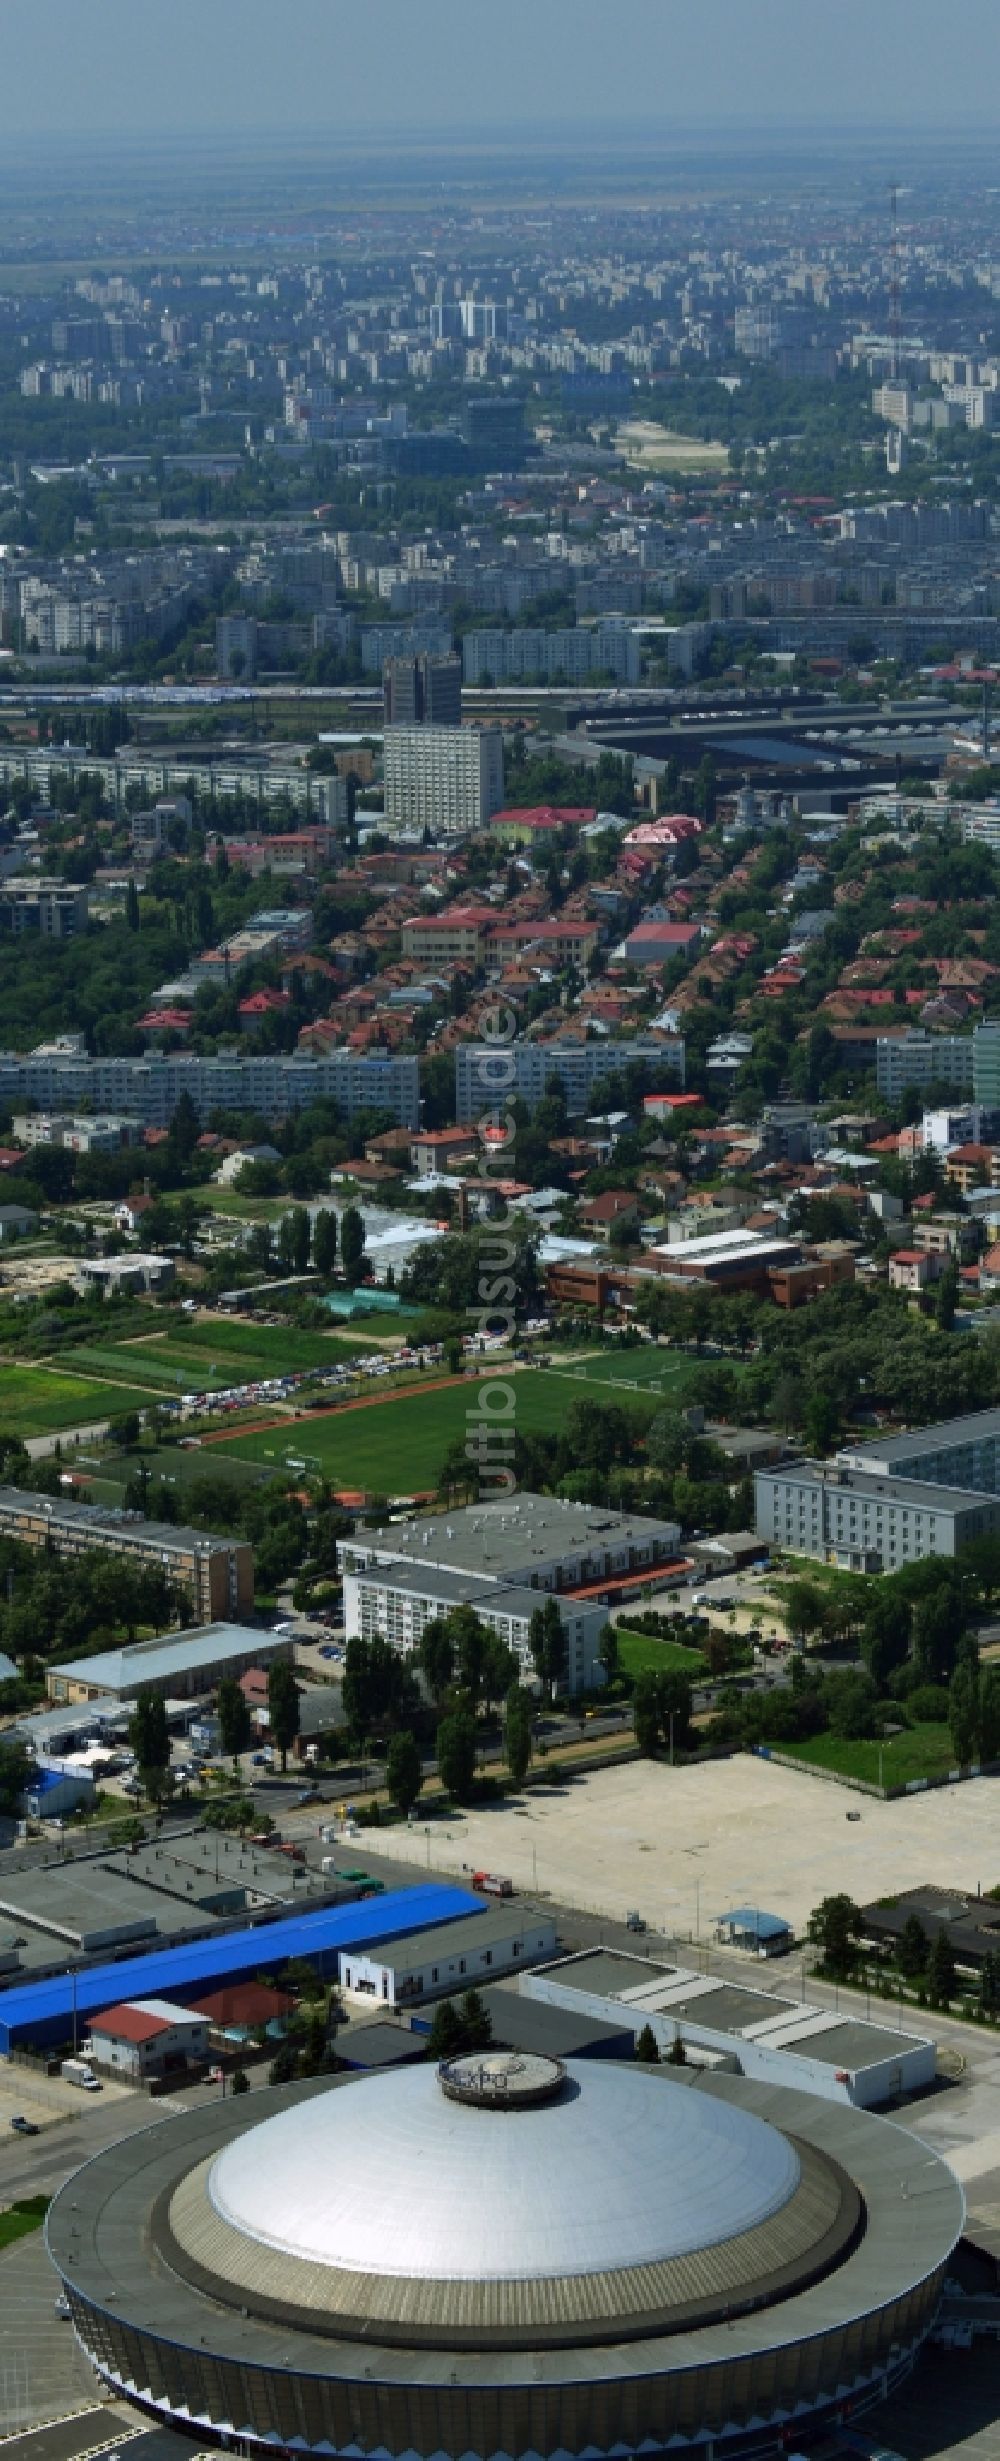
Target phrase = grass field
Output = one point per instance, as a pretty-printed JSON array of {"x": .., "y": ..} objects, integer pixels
[
  {"x": 171, "y": 1367},
  {"x": 921, "y": 1751},
  {"x": 646, "y": 1370},
  {"x": 640, "y": 1654},
  {"x": 36, "y": 1401},
  {"x": 396, "y": 1447},
  {"x": 27, "y": 2214}
]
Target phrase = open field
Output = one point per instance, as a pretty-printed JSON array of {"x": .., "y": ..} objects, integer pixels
[
  {"x": 640, "y": 1654},
  {"x": 647, "y": 446},
  {"x": 37, "y": 1401},
  {"x": 684, "y": 1845},
  {"x": 171, "y": 1366},
  {"x": 396, "y": 1445},
  {"x": 920, "y": 1751}
]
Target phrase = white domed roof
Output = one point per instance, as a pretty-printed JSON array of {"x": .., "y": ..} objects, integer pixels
[{"x": 622, "y": 2169}]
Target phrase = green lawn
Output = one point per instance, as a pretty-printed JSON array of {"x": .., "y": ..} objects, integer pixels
[
  {"x": 640, "y": 1654},
  {"x": 27, "y": 2214},
  {"x": 396, "y": 1447},
  {"x": 36, "y": 1401},
  {"x": 921, "y": 1751}
]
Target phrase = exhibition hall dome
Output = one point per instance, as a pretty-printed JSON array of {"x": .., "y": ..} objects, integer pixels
[{"x": 506, "y": 2254}]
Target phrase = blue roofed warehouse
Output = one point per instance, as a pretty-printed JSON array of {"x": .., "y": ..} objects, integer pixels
[{"x": 46, "y": 2011}]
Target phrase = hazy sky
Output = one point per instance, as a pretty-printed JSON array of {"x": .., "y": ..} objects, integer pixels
[{"x": 170, "y": 65}]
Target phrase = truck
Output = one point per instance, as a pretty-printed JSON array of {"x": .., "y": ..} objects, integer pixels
[
  {"x": 79, "y": 2072},
  {"x": 491, "y": 1884}
]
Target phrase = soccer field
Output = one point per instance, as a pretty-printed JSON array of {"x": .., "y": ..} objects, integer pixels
[
  {"x": 648, "y": 1370},
  {"x": 396, "y": 1446}
]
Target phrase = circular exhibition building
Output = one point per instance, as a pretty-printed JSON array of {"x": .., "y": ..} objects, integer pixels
[{"x": 507, "y": 2256}]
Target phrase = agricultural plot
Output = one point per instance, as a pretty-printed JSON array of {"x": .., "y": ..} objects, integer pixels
[{"x": 39, "y": 1401}]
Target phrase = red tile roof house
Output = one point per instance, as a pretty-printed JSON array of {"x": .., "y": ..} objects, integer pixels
[
  {"x": 911, "y": 1269},
  {"x": 654, "y": 944},
  {"x": 260, "y": 1004},
  {"x": 148, "y": 2038}
]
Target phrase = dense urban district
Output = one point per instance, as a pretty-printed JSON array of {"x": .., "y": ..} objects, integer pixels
[{"x": 499, "y": 1317}]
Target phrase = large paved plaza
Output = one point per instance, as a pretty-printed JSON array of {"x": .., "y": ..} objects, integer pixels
[{"x": 682, "y": 1845}]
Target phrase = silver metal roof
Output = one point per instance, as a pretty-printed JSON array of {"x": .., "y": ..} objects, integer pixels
[{"x": 395, "y": 2177}]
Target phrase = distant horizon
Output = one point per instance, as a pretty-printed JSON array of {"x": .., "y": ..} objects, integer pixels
[{"x": 139, "y": 70}]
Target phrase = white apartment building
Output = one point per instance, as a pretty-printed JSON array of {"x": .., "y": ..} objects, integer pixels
[{"x": 448, "y": 779}]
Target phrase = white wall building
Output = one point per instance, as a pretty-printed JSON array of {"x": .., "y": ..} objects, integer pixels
[
  {"x": 452, "y": 1958},
  {"x": 446, "y": 779}
]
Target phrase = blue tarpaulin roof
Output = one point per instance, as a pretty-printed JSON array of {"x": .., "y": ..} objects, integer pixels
[
  {"x": 750, "y": 1918},
  {"x": 43, "y": 2011}
]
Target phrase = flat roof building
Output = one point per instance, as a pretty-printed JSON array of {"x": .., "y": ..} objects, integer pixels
[
  {"x": 216, "y": 1573},
  {"x": 430, "y": 1965},
  {"x": 864, "y": 1523},
  {"x": 502, "y": 1559},
  {"x": 177, "y": 1665}
]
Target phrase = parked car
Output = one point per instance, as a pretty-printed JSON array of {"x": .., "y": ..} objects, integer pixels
[{"x": 24, "y": 2127}]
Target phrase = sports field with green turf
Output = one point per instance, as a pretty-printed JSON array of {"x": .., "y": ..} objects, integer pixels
[
  {"x": 396, "y": 1446},
  {"x": 39, "y": 1401},
  {"x": 648, "y": 1370}
]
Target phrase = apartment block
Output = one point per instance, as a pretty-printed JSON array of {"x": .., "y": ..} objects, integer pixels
[
  {"x": 447, "y": 779},
  {"x": 488, "y": 1075},
  {"x": 216, "y": 1573}
]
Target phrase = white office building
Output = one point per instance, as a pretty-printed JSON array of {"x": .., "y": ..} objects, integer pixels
[
  {"x": 447, "y": 779},
  {"x": 503, "y": 1559}
]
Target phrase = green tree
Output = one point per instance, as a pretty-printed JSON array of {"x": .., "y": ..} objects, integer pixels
[
  {"x": 456, "y": 1755},
  {"x": 834, "y": 1927},
  {"x": 325, "y": 1242},
  {"x": 235, "y": 1722},
  {"x": 445, "y": 2038},
  {"x": 283, "y": 1701},
  {"x": 942, "y": 1977},
  {"x": 912, "y": 1952},
  {"x": 677, "y": 2055},
  {"x": 609, "y": 1653},
  {"x": 15, "y": 1773},
  {"x": 149, "y": 1738},
  {"x": 548, "y": 1645},
  {"x": 647, "y": 2048},
  {"x": 466, "y": 2026},
  {"x": 963, "y": 1710},
  {"x": 885, "y": 1633},
  {"x": 646, "y": 1716},
  {"x": 989, "y": 1715},
  {"x": 517, "y": 1733},
  {"x": 352, "y": 1246},
  {"x": 239, "y": 2082},
  {"x": 403, "y": 1772},
  {"x": 946, "y": 1297},
  {"x": 436, "y": 1657}
]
